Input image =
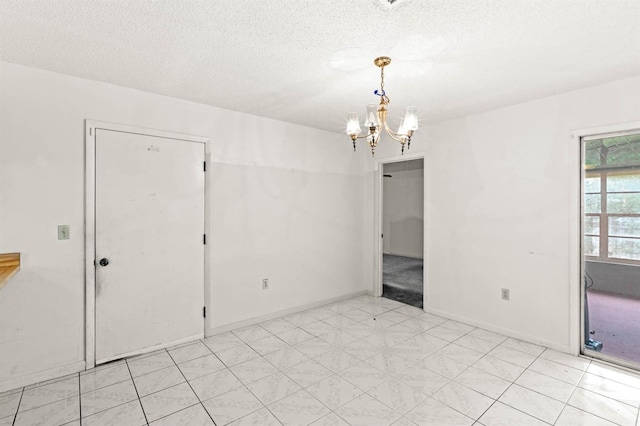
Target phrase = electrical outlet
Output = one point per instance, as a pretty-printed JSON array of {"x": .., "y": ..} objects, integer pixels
[
  {"x": 265, "y": 283},
  {"x": 505, "y": 294},
  {"x": 63, "y": 232}
]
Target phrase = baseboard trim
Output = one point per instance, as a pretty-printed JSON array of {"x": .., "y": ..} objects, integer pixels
[
  {"x": 504, "y": 331},
  {"x": 255, "y": 320},
  {"x": 41, "y": 376}
]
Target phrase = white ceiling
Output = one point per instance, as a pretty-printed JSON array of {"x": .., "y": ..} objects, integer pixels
[{"x": 310, "y": 61}]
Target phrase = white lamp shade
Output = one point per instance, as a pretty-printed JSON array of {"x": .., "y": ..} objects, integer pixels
[
  {"x": 410, "y": 121},
  {"x": 401, "y": 129},
  {"x": 372, "y": 120},
  {"x": 353, "y": 127}
]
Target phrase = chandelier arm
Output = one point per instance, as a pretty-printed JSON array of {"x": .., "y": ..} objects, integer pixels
[
  {"x": 363, "y": 136},
  {"x": 369, "y": 133},
  {"x": 398, "y": 137},
  {"x": 395, "y": 136},
  {"x": 382, "y": 116}
]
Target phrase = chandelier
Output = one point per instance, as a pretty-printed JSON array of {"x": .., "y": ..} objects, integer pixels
[{"x": 376, "y": 118}]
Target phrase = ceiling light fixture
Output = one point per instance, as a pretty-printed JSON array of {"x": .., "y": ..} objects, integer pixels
[
  {"x": 390, "y": 2},
  {"x": 376, "y": 118}
]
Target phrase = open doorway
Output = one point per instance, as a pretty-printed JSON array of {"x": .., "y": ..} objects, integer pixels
[
  {"x": 611, "y": 247},
  {"x": 403, "y": 231}
]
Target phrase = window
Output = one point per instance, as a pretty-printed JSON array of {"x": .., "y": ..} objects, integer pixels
[{"x": 612, "y": 199}]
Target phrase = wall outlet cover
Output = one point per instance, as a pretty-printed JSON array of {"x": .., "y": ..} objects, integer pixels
[
  {"x": 63, "y": 232},
  {"x": 505, "y": 294}
]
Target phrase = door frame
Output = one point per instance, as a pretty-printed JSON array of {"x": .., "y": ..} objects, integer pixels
[
  {"x": 378, "y": 225},
  {"x": 576, "y": 229},
  {"x": 90, "y": 223}
]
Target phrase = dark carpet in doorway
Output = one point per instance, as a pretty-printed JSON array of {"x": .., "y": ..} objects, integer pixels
[
  {"x": 402, "y": 272},
  {"x": 401, "y": 295},
  {"x": 402, "y": 279}
]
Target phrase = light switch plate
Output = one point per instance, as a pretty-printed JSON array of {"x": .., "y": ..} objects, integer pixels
[{"x": 63, "y": 232}]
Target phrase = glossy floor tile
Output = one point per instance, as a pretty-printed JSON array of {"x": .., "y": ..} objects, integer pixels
[{"x": 363, "y": 361}]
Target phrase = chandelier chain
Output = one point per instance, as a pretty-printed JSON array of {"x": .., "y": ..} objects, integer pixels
[{"x": 383, "y": 95}]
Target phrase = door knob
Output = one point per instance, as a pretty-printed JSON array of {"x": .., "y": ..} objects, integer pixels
[{"x": 104, "y": 261}]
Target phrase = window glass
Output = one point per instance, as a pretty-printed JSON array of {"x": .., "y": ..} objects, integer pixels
[
  {"x": 592, "y": 225},
  {"x": 592, "y": 153},
  {"x": 624, "y": 248},
  {"x": 591, "y": 246},
  {"x": 592, "y": 184},
  {"x": 592, "y": 203},
  {"x": 622, "y": 153},
  {"x": 623, "y": 226},
  {"x": 623, "y": 183},
  {"x": 623, "y": 203}
]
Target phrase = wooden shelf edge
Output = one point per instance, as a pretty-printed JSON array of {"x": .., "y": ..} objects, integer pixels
[{"x": 9, "y": 266}]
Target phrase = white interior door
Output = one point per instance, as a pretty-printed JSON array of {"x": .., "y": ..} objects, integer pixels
[{"x": 149, "y": 229}]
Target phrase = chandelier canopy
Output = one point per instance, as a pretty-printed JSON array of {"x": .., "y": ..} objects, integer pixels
[{"x": 376, "y": 118}]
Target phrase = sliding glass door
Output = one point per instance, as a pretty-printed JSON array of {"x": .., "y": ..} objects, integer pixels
[{"x": 611, "y": 247}]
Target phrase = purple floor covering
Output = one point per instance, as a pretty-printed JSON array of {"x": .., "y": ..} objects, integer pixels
[{"x": 615, "y": 321}]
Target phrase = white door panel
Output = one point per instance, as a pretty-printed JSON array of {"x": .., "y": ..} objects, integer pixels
[{"x": 149, "y": 217}]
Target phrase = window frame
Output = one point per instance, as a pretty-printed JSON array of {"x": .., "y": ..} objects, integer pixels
[{"x": 603, "y": 235}]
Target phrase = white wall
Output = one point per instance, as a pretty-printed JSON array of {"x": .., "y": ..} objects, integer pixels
[
  {"x": 285, "y": 203},
  {"x": 502, "y": 199},
  {"x": 292, "y": 204},
  {"x": 403, "y": 212}
]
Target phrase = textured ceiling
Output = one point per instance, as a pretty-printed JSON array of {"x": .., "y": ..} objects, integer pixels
[{"x": 310, "y": 61}]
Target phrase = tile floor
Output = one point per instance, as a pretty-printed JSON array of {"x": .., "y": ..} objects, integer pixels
[{"x": 364, "y": 361}]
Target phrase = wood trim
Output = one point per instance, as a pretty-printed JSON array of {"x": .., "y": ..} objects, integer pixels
[{"x": 9, "y": 266}]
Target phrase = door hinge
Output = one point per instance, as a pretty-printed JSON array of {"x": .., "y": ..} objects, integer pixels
[
  {"x": 381, "y": 235},
  {"x": 204, "y": 166},
  {"x": 204, "y": 311},
  {"x": 204, "y": 238}
]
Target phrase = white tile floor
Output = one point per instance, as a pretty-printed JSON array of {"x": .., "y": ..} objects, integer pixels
[{"x": 364, "y": 361}]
